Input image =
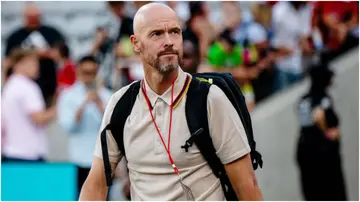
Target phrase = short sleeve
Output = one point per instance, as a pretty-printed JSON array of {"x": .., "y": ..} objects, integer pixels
[
  {"x": 113, "y": 149},
  {"x": 226, "y": 128},
  {"x": 325, "y": 103},
  {"x": 33, "y": 99}
]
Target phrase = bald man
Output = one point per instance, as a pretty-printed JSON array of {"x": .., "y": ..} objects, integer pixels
[
  {"x": 157, "y": 127},
  {"x": 41, "y": 38}
]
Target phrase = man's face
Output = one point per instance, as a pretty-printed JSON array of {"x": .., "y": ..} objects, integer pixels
[
  {"x": 32, "y": 17},
  {"x": 191, "y": 59},
  {"x": 87, "y": 72},
  {"x": 160, "y": 43},
  {"x": 31, "y": 66},
  {"x": 227, "y": 46}
]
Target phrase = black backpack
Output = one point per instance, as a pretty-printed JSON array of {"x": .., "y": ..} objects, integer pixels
[{"x": 196, "y": 115}]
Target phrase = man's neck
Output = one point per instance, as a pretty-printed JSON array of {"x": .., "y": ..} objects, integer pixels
[{"x": 159, "y": 83}]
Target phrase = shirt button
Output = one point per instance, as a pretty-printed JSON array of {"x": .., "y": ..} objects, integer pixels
[{"x": 158, "y": 143}]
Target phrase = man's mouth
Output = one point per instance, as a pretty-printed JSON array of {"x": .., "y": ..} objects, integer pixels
[{"x": 168, "y": 53}]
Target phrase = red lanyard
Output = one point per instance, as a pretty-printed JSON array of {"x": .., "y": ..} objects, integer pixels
[{"x": 157, "y": 128}]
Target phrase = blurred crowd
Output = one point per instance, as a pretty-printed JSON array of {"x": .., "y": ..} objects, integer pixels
[{"x": 266, "y": 46}]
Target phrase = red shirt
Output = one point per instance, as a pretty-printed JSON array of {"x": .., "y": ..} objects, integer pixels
[
  {"x": 66, "y": 75},
  {"x": 340, "y": 10},
  {"x": 272, "y": 3}
]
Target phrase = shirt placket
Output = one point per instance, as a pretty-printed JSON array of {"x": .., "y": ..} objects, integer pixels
[{"x": 160, "y": 119}]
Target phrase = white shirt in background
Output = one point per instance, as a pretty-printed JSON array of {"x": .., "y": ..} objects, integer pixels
[
  {"x": 289, "y": 25},
  {"x": 24, "y": 139},
  {"x": 256, "y": 33}
]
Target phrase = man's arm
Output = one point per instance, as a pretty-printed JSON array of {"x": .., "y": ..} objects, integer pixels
[
  {"x": 69, "y": 113},
  {"x": 35, "y": 106},
  {"x": 325, "y": 118},
  {"x": 43, "y": 117},
  {"x": 231, "y": 144},
  {"x": 95, "y": 188},
  {"x": 243, "y": 179}
]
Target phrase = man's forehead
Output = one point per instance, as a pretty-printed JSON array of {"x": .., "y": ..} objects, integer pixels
[{"x": 163, "y": 24}]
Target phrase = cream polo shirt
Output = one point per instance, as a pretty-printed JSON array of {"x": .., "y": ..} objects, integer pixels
[{"x": 151, "y": 174}]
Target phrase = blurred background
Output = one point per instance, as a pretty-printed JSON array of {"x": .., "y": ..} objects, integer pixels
[{"x": 84, "y": 47}]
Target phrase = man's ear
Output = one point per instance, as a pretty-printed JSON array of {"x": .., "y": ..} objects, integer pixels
[{"x": 135, "y": 43}]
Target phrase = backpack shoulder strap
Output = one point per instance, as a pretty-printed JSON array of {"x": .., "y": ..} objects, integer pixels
[
  {"x": 196, "y": 116},
  {"x": 197, "y": 120},
  {"x": 121, "y": 112},
  {"x": 231, "y": 89},
  {"x": 118, "y": 118}
]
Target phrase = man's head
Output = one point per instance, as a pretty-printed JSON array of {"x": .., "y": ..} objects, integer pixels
[
  {"x": 117, "y": 7},
  {"x": 87, "y": 70},
  {"x": 25, "y": 62},
  {"x": 198, "y": 8},
  {"x": 321, "y": 77},
  {"x": 298, "y": 4},
  {"x": 61, "y": 51},
  {"x": 191, "y": 59},
  {"x": 227, "y": 41},
  {"x": 32, "y": 16},
  {"x": 158, "y": 37}
]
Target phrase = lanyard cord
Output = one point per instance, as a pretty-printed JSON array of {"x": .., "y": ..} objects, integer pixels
[{"x": 157, "y": 128}]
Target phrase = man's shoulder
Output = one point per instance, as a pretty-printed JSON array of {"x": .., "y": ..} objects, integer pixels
[
  {"x": 280, "y": 9},
  {"x": 48, "y": 28},
  {"x": 24, "y": 83},
  {"x": 16, "y": 32},
  {"x": 114, "y": 99},
  {"x": 119, "y": 94},
  {"x": 215, "y": 92}
]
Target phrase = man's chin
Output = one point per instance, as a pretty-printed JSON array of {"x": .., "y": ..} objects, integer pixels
[{"x": 168, "y": 69}]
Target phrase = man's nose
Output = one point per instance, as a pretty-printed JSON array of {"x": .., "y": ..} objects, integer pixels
[{"x": 168, "y": 40}]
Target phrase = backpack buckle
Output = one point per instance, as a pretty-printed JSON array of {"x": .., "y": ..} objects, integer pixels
[{"x": 190, "y": 141}]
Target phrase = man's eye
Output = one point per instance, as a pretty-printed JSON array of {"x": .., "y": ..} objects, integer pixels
[
  {"x": 156, "y": 34},
  {"x": 175, "y": 31}
]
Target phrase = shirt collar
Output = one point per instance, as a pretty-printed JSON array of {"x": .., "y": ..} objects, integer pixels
[{"x": 180, "y": 88}]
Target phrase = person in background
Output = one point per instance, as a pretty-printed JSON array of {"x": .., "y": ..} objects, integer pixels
[
  {"x": 336, "y": 22},
  {"x": 290, "y": 40},
  {"x": 191, "y": 58},
  {"x": 226, "y": 55},
  {"x": 80, "y": 111},
  {"x": 111, "y": 42},
  {"x": 66, "y": 71},
  {"x": 198, "y": 29},
  {"x": 258, "y": 33},
  {"x": 232, "y": 16},
  {"x": 23, "y": 112},
  {"x": 318, "y": 150},
  {"x": 42, "y": 38}
]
